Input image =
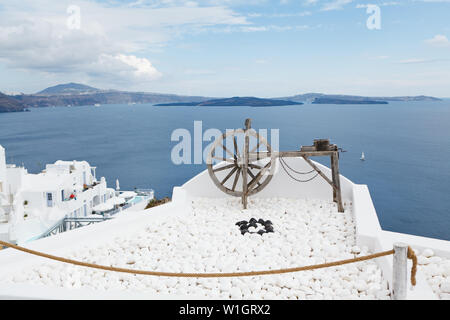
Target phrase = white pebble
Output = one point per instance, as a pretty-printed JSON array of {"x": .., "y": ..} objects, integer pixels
[
  {"x": 428, "y": 253},
  {"x": 445, "y": 286}
]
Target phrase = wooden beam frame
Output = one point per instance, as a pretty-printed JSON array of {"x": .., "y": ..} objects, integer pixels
[{"x": 320, "y": 148}]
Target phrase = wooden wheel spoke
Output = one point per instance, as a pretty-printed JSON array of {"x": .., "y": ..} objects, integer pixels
[
  {"x": 227, "y": 151},
  {"x": 236, "y": 179},
  {"x": 229, "y": 175},
  {"x": 258, "y": 176},
  {"x": 252, "y": 175},
  {"x": 224, "y": 159},
  {"x": 254, "y": 166},
  {"x": 257, "y": 146},
  {"x": 229, "y": 166},
  {"x": 236, "y": 149}
]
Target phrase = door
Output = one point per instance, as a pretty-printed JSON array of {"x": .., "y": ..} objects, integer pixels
[
  {"x": 49, "y": 199},
  {"x": 85, "y": 210}
]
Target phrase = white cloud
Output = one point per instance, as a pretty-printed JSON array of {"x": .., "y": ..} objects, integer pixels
[
  {"x": 113, "y": 39},
  {"x": 262, "y": 28},
  {"x": 382, "y": 4},
  {"x": 439, "y": 40},
  {"x": 335, "y": 5},
  {"x": 433, "y": 1},
  {"x": 420, "y": 60},
  {"x": 141, "y": 67},
  {"x": 199, "y": 72}
]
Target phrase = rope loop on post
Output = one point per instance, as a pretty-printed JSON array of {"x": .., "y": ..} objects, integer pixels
[{"x": 413, "y": 257}]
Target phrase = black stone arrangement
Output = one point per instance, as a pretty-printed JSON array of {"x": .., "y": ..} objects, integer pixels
[{"x": 244, "y": 225}]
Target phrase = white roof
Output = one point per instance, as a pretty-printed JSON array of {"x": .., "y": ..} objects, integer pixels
[
  {"x": 104, "y": 206},
  {"x": 128, "y": 194},
  {"x": 118, "y": 201},
  {"x": 109, "y": 204}
]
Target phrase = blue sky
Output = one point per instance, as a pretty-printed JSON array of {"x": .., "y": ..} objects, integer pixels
[{"x": 227, "y": 47}]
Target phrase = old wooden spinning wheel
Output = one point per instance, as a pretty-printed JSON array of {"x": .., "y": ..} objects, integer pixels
[
  {"x": 241, "y": 163},
  {"x": 237, "y": 165}
]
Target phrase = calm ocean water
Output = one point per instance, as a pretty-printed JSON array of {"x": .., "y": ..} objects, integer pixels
[{"x": 407, "y": 148}]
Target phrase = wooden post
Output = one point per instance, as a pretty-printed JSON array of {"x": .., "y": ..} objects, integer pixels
[
  {"x": 245, "y": 152},
  {"x": 333, "y": 177},
  {"x": 399, "y": 271},
  {"x": 337, "y": 195}
]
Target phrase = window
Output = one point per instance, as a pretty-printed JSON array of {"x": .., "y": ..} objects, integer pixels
[{"x": 49, "y": 199}]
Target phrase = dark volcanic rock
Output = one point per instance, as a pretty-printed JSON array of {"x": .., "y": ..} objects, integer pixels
[{"x": 244, "y": 226}]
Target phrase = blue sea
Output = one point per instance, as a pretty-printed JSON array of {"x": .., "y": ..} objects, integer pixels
[{"x": 406, "y": 144}]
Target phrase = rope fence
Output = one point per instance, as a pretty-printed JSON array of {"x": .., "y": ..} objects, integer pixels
[{"x": 411, "y": 255}]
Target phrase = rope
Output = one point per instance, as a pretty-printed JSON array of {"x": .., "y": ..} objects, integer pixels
[
  {"x": 413, "y": 257},
  {"x": 293, "y": 178},
  {"x": 299, "y": 172},
  {"x": 198, "y": 275}
]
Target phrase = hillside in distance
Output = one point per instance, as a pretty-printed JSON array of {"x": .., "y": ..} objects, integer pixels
[
  {"x": 8, "y": 104},
  {"x": 75, "y": 94},
  {"x": 68, "y": 88}
]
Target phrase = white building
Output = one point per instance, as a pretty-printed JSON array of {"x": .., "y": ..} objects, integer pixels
[{"x": 31, "y": 203}]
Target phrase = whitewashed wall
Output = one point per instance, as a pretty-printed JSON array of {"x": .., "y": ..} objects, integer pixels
[{"x": 369, "y": 232}]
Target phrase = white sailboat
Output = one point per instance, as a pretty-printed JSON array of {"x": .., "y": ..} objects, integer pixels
[{"x": 363, "y": 157}]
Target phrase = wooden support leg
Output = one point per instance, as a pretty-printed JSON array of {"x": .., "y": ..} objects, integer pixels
[
  {"x": 245, "y": 163},
  {"x": 333, "y": 176},
  {"x": 336, "y": 179}
]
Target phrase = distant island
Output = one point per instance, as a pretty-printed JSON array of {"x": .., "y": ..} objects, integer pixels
[
  {"x": 311, "y": 97},
  {"x": 236, "y": 101},
  {"x": 346, "y": 101},
  {"x": 75, "y": 94},
  {"x": 8, "y": 104}
]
